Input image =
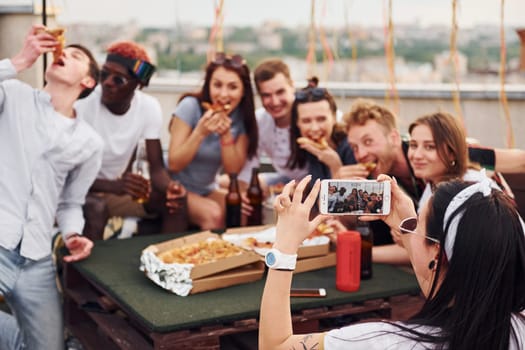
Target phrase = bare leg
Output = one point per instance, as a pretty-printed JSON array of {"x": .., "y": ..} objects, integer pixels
[{"x": 206, "y": 212}]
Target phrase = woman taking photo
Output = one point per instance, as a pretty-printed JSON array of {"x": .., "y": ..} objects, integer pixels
[
  {"x": 467, "y": 248},
  {"x": 317, "y": 141},
  {"x": 212, "y": 130}
]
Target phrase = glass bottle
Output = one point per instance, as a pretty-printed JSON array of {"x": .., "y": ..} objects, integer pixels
[
  {"x": 367, "y": 241},
  {"x": 140, "y": 165},
  {"x": 233, "y": 203},
  {"x": 255, "y": 196}
]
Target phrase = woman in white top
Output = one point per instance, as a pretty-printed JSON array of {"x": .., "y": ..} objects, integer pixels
[{"x": 467, "y": 249}]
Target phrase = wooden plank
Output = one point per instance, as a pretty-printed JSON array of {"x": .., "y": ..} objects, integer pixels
[
  {"x": 77, "y": 291},
  {"x": 200, "y": 341},
  {"x": 116, "y": 328},
  {"x": 86, "y": 333}
]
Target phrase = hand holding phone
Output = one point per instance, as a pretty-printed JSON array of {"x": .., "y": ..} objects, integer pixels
[{"x": 354, "y": 197}]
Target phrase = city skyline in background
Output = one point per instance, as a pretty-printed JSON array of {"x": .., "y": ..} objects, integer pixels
[{"x": 292, "y": 13}]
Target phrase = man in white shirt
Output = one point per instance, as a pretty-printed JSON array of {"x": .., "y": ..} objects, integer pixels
[
  {"x": 49, "y": 159},
  {"x": 276, "y": 89},
  {"x": 123, "y": 115}
]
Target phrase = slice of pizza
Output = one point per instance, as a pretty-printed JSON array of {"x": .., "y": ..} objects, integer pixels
[
  {"x": 58, "y": 34},
  {"x": 321, "y": 230},
  {"x": 370, "y": 166},
  {"x": 200, "y": 253},
  {"x": 216, "y": 107},
  {"x": 320, "y": 144}
]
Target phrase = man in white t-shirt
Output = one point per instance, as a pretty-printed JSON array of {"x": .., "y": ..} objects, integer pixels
[
  {"x": 123, "y": 116},
  {"x": 276, "y": 89}
]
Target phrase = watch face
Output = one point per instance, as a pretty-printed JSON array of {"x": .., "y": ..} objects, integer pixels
[{"x": 270, "y": 259}]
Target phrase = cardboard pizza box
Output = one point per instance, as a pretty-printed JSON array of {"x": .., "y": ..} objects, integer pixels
[
  {"x": 240, "y": 275},
  {"x": 185, "y": 279},
  {"x": 237, "y": 236},
  {"x": 315, "y": 263}
]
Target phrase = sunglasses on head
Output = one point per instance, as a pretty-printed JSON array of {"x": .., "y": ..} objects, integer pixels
[
  {"x": 409, "y": 225},
  {"x": 311, "y": 94},
  {"x": 118, "y": 80},
  {"x": 236, "y": 61}
]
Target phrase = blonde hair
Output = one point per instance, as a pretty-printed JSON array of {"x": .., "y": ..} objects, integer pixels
[{"x": 364, "y": 110}]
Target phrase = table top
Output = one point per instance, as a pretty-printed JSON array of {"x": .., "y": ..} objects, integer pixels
[{"x": 114, "y": 267}]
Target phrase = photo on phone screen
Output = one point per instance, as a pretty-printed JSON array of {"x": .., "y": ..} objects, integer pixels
[{"x": 354, "y": 197}]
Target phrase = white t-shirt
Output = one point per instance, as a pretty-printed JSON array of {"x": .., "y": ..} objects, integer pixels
[
  {"x": 121, "y": 133},
  {"x": 386, "y": 336},
  {"x": 274, "y": 142}
]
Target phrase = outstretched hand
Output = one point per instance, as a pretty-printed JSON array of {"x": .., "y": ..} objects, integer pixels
[
  {"x": 293, "y": 224},
  {"x": 79, "y": 247}
]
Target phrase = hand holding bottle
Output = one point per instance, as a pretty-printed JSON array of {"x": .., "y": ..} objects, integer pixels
[
  {"x": 175, "y": 196},
  {"x": 137, "y": 186},
  {"x": 138, "y": 182}
]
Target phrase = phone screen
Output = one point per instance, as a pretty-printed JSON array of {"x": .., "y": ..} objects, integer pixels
[{"x": 355, "y": 197}]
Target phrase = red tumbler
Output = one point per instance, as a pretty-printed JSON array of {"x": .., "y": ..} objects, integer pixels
[{"x": 348, "y": 268}]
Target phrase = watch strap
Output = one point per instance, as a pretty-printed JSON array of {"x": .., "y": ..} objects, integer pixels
[{"x": 282, "y": 261}]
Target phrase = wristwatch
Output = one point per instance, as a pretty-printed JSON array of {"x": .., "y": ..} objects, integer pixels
[{"x": 276, "y": 260}]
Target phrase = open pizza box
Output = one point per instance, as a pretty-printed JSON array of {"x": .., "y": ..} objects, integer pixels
[
  {"x": 315, "y": 263},
  {"x": 184, "y": 278},
  {"x": 312, "y": 255},
  {"x": 260, "y": 239}
]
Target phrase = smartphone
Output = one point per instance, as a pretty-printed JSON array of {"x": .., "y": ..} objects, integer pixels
[
  {"x": 308, "y": 292},
  {"x": 354, "y": 197}
]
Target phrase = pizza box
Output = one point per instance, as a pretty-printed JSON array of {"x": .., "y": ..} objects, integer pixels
[
  {"x": 240, "y": 275},
  {"x": 184, "y": 279},
  {"x": 315, "y": 263},
  {"x": 317, "y": 246}
]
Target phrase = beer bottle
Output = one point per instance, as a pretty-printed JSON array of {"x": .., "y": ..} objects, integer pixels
[
  {"x": 367, "y": 241},
  {"x": 233, "y": 203},
  {"x": 140, "y": 165},
  {"x": 255, "y": 196}
]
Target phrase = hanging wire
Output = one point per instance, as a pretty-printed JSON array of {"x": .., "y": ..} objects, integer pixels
[
  {"x": 215, "y": 41},
  {"x": 351, "y": 39},
  {"x": 391, "y": 94},
  {"x": 310, "y": 56},
  {"x": 503, "y": 96},
  {"x": 328, "y": 57},
  {"x": 454, "y": 60}
]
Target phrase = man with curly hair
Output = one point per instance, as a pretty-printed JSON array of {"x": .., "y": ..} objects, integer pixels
[
  {"x": 123, "y": 115},
  {"x": 375, "y": 138}
]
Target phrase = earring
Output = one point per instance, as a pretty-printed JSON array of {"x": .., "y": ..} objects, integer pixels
[
  {"x": 453, "y": 163},
  {"x": 432, "y": 264}
]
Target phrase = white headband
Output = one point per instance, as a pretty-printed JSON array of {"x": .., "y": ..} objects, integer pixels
[{"x": 485, "y": 186}]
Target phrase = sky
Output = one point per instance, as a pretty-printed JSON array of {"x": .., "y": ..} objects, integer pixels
[{"x": 167, "y": 13}]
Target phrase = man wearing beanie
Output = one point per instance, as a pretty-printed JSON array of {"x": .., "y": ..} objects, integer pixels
[{"x": 124, "y": 116}]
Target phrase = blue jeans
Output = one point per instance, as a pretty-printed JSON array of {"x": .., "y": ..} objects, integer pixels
[{"x": 30, "y": 290}]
